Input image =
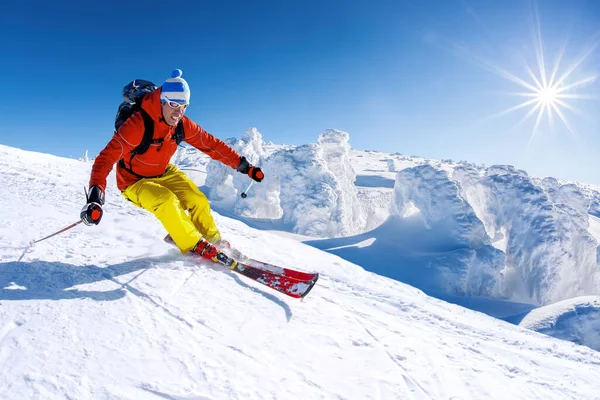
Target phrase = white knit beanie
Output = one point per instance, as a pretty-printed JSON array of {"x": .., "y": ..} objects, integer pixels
[{"x": 175, "y": 89}]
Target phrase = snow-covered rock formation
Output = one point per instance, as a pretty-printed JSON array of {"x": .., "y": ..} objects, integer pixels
[
  {"x": 226, "y": 184},
  {"x": 542, "y": 229},
  {"x": 576, "y": 320},
  {"x": 313, "y": 186},
  {"x": 310, "y": 188},
  {"x": 86, "y": 157},
  {"x": 469, "y": 264}
]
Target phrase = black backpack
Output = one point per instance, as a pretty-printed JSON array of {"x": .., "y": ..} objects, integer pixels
[{"x": 132, "y": 94}]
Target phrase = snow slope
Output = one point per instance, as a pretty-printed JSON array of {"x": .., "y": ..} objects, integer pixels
[{"x": 111, "y": 312}]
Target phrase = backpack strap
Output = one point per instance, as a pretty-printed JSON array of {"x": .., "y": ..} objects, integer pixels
[
  {"x": 179, "y": 133},
  {"x": 147, "y": 140},
  {"x": 144, "y": 145}
]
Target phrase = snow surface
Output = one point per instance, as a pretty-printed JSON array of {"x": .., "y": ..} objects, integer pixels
[{"x": 113, "y": 312}]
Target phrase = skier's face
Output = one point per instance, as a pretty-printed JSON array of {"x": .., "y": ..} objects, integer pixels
[{"x": 173, "y": 112}]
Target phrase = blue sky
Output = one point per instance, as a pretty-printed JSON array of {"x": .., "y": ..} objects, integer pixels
[{"x": 413, "y": 77}]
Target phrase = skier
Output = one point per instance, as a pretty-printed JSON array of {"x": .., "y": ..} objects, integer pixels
[{"x": 149, "y": 181}]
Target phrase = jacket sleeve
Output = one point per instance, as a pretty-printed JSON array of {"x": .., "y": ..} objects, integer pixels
[
  {"x": 210, "y": 145},
  {"x": 126, "y": 139}
]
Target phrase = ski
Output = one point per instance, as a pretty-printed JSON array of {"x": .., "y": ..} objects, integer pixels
[
  {"x": 297, "y": 288},
  {"x": 290, "y": 282},
  {"x": 290, "y": 273}
]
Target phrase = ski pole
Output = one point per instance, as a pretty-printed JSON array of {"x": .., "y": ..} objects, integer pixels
[
  {"x": 47, "y": 237},
  {"x": 245, "y": 194},
  {"x": 64, "y": 229},
  {"x": 56, "y": 233}
]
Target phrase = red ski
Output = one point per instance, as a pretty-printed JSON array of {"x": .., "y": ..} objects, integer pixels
[
  {"x": 290, "y": 273},
  {"x": 290, "y": 282},
  {"x": 287, "y": 285}
]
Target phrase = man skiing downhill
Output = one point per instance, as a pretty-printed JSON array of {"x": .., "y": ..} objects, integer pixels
[{"x": 149, "y": 181}]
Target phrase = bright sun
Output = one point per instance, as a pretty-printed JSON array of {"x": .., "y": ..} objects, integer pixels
[
  {"x": 547, "y": 95},
  {"x": 548, "y": 92}
]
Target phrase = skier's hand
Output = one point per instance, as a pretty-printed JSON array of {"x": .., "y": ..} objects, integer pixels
[
  {"x": 256, "y": 174},
  {"x": 253, "y": 172},
  {"x": 91, "y": 213}
]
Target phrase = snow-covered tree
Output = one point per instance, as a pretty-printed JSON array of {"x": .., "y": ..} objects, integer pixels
[{"x": 311, "y": 188}]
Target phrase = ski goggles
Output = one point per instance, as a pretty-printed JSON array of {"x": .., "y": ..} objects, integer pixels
[
  {"x": 172, "y": 103},
  {"x": 176, "y": 105}
]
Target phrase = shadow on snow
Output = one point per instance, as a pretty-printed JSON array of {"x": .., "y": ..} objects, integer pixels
[
  {"x": 406, "y": 251},
  {"x": 374, "y": 181},
  {"x": 48, "y": 280},
  {"x": 53, "y": 280}
]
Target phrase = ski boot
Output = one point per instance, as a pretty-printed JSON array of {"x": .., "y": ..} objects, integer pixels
[
  {"x": 226, "y": 247},
  {"x": 222, "y": 245},
  {"x": 209, "y": 251}
]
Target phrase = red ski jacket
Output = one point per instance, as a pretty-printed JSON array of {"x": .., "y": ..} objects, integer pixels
[{"x": 153, "y": 162}]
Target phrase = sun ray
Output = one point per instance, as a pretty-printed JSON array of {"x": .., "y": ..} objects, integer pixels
[
  {"x": 561, "y": 54},
  {"x": 550, "y": 116},
  {"x": 538, "y": 119},
  {"x": 528, "y": 115},
  {"x": 521, "y": 94},
  {"x": 568, "y": 106},
  {"x": 512, "y": 109},
  {"x": 578, "y": 96},
  {"x": 539, "y": 42},
  {"x": 532, "y": 75},
  {"x": 577, "y": 63},
  {"x": 490, "y": 67},
  {"x": 566, "y": 122},
  {"x": 580, "y": 82}
]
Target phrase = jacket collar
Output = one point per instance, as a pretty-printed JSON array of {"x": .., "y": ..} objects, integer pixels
[{"x": 151, "y": 104}]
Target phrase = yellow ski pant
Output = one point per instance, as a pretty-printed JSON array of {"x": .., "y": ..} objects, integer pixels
[{"x": 168, "y": 198}]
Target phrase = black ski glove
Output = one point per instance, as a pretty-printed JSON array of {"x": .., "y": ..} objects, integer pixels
[
  {"x": 91, "y": 213},
  {"x": 253, "y": 172}
]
